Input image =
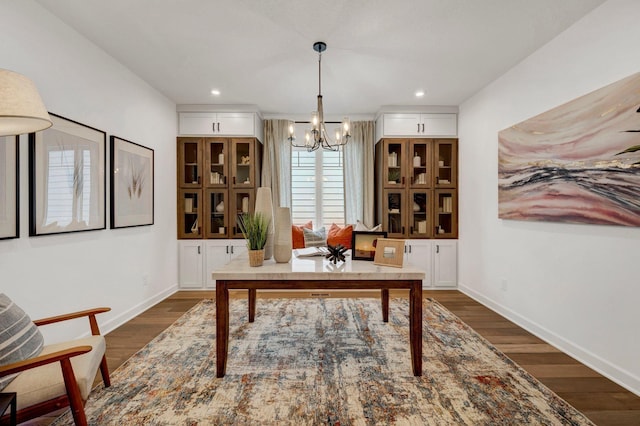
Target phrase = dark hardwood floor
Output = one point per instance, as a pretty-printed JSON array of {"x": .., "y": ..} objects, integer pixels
[{"x": 600, "y": 399}]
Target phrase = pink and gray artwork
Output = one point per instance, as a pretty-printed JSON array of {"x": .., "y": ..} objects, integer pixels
[{"x": 579, "y": 162}]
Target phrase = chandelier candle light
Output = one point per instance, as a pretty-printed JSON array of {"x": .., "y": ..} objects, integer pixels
[{"x": 317, "y": 137}]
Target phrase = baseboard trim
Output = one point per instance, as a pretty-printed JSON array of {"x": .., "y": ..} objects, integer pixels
[
  {"x": 115, "y": 322},
  {"x": 602, "y": 366}
]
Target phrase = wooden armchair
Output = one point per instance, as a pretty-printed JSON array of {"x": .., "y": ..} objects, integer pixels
[{"x": 62, "y": 375}]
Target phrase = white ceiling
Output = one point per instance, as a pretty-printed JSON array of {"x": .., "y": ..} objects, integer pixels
[{"x": 260, "y": 51}]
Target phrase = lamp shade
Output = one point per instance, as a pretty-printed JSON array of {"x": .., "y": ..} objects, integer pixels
[{"x": 21, "y": 108}]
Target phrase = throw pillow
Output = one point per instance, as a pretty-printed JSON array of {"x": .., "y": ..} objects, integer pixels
[
  {"x": 20, "y": 339},
  {"x": 315, "y": 238},
  {"x": 338, "y": 235},
  {"x": 297, "y": 237},
  {"x": 362, "y": 227}
]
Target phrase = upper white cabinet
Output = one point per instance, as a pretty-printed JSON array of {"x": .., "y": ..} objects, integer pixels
[
  {"x": 417, "y": 125},
  {"x": 219, "y": 123}
]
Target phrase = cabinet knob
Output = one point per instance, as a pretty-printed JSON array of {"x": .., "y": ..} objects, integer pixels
[
  {"x": 198, "y": 249},
  {"x": 219, "y": 130},
  {"x": 437, "y": 248},
  {"x": 422, "y": 127},
  {"x": 418, "y": 127},
  {"x": 213, "y": 127},
  {"x": 231, "y": 249}
]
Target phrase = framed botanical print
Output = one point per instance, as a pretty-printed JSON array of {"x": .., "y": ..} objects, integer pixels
[
  {"x": 131, "y": 184},
  {"x": 67, "y": 178},
  {"x": 9, "y": 187}
]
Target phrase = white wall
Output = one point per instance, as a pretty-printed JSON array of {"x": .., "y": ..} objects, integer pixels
[
  {"x": 55, "y": 274},
  {"x": 576, "y": 286}
]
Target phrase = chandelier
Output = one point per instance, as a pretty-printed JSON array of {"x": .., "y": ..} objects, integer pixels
[{"x": 317, "y": 136}]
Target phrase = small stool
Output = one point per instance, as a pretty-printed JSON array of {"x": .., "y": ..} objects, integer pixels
[{"x": 6, "y": 400}]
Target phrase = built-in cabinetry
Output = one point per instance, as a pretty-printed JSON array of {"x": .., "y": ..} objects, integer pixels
[
  {"x": 219, "y": 123},
  {"x": 218, "y": 172},
  {"x": 417, "y": 125},
  {"x": 416, "y": 187},
  {"x": 217, "y": 182},
  {"x": 197, "y": 258},
  {"x": 438, "y": 259}
]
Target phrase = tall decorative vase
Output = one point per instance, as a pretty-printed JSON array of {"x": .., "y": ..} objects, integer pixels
[
  {"x": 264, "y": 206},
  {"x": 283, "y": 244}
]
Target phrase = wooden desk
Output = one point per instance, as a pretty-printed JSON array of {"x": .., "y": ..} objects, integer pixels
[{"x": 319, "y": 274}]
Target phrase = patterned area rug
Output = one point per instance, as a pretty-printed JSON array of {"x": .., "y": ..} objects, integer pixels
[{"x": 323, "y": 361}]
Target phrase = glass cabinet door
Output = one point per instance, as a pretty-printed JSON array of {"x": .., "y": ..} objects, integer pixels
[
  {"x": 394, "y": 163},
  {"x": 420, "y": 219},
  {"x": 189, "y": 162},
  {"x": 216, "y": 163},
  {"x": 242, "y": 202},
  {"x": 420, "y": 163},
  {"x": 189, "y": 214},
  {"x": 393, "y": 220},
  {"x": 242, "y": 163},
  {"x": 446, "y": 172},
  {"x": 216, "y": 208},
  {"x": 446, "y": 218}
]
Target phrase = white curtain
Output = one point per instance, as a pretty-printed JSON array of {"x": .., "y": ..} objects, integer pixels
[
  {"x": 276, "y": 161},
  {"x": 359, "y": 173}
]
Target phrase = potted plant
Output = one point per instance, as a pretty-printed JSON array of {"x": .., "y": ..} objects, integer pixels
[{"x": 254, "y": 229}]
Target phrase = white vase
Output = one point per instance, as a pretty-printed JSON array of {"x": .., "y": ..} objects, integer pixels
[
  {"x": 264, "y": 206},
  {"x": 283, "y": 244}
]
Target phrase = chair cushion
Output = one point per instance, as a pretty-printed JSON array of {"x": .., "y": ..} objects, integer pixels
[
  {"x": 338, "y": 235},
  {"x": 19, "y": 337},
  {"x": 297, "y": 236},
  {"x": 46, "y": 382},
  {"x": 315, "y": 238}
]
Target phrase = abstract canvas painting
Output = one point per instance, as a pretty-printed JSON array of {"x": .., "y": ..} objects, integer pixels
[{"x": 578, "y": 163}]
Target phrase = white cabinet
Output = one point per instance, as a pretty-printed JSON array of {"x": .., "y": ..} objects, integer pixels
[
  {"x": 218, "y": 254},
  {"x": 218, "y": 123},
  {"x": 417, "y": 124},
  {"x": 417, "y": 253},
  {"x": 197, "y": 259},
  {"x": 190, "y": 264},
  {"x": 438, "y": 259},
  {"x": 445, "y": 264}
]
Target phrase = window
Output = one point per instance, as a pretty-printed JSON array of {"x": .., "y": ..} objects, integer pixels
[{"x": 317, "y": 187}]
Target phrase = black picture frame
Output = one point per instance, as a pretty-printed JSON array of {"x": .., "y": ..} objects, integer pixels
[
  {"x": 9, "y": 187},
  {"x": 132, "y": 184},
  {"x": 363, "y": 244},
  {"x": 67, "y": 178}
]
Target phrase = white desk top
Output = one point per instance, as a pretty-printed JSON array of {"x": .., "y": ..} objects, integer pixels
[{"x": 314, "y": 268}]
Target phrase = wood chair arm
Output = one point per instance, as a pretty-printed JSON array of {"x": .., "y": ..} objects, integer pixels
[
  {"x": 91, "y": 313},
  {"x": 37, "y": 361}
]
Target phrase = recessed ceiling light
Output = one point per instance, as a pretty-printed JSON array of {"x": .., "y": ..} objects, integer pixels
[
  {"x": 419, "y": 93},
  {"x": 215, "y": 92}
]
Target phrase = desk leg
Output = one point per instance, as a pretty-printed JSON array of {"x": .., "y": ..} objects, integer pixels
[
  {"x": 384, "y": 294},
  {"x": 222, "y": 327},
  {"x": 415, "y": 326},
  {"x": 252, "y": 304}
]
